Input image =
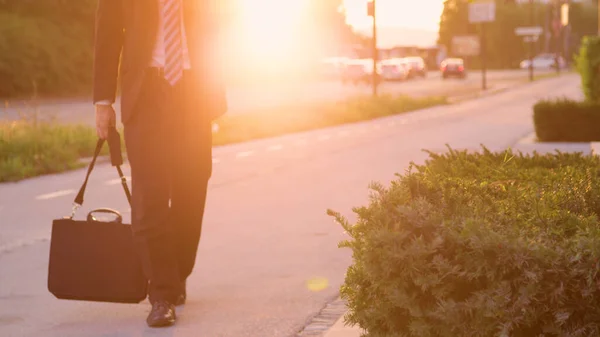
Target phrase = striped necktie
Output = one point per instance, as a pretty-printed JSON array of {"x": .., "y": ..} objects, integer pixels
[{"x": 173, "y": 45}]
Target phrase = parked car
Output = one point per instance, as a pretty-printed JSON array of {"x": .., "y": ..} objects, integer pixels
[
  {"x": 417, "y": 66},
  {"x": 395, "y": 69},
  {"x": 544, "y": 61},
  {"x": 359, "y": 70},
  {"x": 453, "y": 67}
]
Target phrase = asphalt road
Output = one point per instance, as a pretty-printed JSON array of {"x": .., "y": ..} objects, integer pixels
[
  {"x": 266, "y": 233},
  {"x": 251, "y": 99}
]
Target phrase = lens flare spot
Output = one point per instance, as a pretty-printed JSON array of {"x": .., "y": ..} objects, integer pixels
[{"x": 317, "y": 284}]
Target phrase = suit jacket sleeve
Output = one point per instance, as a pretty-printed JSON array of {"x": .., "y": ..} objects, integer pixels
[{"x": 107, "y": 49}]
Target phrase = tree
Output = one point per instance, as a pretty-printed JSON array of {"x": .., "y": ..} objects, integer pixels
[
  {"x": 330, "y": 18},
  {"x": 45, "y": 46},
  {"x": 326, "y": 21}
]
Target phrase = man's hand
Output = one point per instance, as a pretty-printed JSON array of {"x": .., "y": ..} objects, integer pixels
[{"x": 105, "y": 119}]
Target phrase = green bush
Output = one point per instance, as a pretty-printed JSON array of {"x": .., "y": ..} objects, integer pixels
[
  {"x": 588, "y": 65},
  {"x": 479, "y": 244},
  {"x": 565, "y": 120}
]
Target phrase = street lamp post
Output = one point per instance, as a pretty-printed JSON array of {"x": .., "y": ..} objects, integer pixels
[
  {"x": 557, "y": 33},
  {"x": 372, "y": 12},
  {"x": 531, "y": 43}
]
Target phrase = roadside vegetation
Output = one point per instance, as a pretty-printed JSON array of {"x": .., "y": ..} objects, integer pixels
[
  {"x": 479, "y": 244},
  {"x": 568, "y": 120},
  {"x": 29, "y": 147},
  {"x": 45, "y": 47},
  {"x": 279, "y": 121}
]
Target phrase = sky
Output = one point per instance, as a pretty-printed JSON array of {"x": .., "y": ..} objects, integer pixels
[{"x": 413, "y": 14}]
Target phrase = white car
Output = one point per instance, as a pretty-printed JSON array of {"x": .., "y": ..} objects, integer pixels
[
  {"x": 395, "y": 69},
  {"x": 359, "y": 70},
  {"x": 417, "y": 66},
  {"x": 544, "y": 61}
]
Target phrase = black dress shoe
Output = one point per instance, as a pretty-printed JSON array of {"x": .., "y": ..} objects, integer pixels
[{"x": 161, "y": 315}]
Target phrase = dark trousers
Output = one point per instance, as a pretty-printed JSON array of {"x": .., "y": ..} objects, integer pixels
[{"x": 169, "y": 143}]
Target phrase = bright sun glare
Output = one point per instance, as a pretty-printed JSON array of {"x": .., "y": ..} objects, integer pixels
[
  {"x": 276, "y": 35},
  {"x": 266, "y": 27}
]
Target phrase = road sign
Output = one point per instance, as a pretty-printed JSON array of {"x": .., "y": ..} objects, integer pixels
[
  {"x": 529, "y": 31},
  {"x": 482, "y": 11},
  {"x": 371, "y": 8},
  {"x": 466, "y": 45}
]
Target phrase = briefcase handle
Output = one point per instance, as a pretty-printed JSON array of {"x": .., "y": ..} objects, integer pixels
[
  {"x": 116, "y": 158},
  {"x": 118, "y": 219}
]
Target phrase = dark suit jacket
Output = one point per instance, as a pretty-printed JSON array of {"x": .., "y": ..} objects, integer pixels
[{"x": 126, "y": 30}]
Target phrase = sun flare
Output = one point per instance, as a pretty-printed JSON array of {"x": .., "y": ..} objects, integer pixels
[
  {"x": 269, "y": 38},
  {"x": 280, "y": 36},
  {"x": 266, "y": 29}
]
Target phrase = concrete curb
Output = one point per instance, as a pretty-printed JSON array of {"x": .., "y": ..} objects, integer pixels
[
  {"x": 486, "y": 93},
  {"x": 595, "y": 148},
  {"x": 100, "y": 160},
  {"x": 491, "y": 92},
  {"x": 529, "y": 144},
  {"x": 325, "y": 319},
  {"x": 529, "y": 139}
]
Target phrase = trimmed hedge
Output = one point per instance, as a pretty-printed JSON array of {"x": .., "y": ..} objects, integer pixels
[
  {"x": 479, "y": 244},
  {"x": 565, "y": 120},
  {"x": 588, "y": 65}
]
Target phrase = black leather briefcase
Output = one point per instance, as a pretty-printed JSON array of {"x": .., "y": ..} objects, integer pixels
[{"x": 92, "y": 260}]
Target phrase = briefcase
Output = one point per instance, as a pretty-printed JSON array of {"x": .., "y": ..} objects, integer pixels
[{"x": 92, "y": 260}]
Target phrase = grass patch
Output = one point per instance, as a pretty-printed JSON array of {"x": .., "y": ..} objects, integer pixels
[
  {"x": 275, "y": 122},
  {"x": 543, "y": 76},
  {"x": 29, "y": 148}
]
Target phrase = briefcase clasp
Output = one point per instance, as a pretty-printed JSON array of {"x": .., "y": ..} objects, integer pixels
[{"x": 73, "y": 211}]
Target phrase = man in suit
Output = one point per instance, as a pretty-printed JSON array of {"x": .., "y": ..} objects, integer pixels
[{"x": 170, "y": 93}]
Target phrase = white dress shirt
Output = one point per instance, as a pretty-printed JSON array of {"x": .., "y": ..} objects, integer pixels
[{"x": 158, "y": 54}]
